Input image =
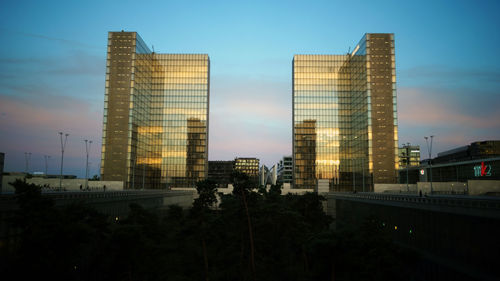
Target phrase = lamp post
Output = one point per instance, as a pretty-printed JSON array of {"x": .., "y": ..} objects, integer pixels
[
  {"x": 430, "y": 161},
  {"x": 143, "y": 174},
  {"x": 87, "y": 149},
  {"x": 46, "y": 157},
  {"x": 353, "y": 144},
  {"x": 363, "y": 168},
  {"x": 407, "y": 153},
  {"x": 353, "y": 176},
  {"x": 27, "y": 157},
  {"x": 63, "y": 145},
  {"x": 133, "y": 173}
]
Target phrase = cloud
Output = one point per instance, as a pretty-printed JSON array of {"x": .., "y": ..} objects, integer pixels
[
  {"x": 452, "y": 74},
  {"x": 456, "y": 117},
  {"x": 76, "y": 63},
  {"x": 432, "y": 108},
  {"x": 449, "y": 77},
  {"x": 26, "y": 126},
  {"x": 250, "y": 117},
  {"x": 70, "y": 43}
]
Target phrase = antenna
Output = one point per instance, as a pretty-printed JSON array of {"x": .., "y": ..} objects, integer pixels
[
  {"x": 153, "y": 47},
  {"x": 349, "y": 50}
]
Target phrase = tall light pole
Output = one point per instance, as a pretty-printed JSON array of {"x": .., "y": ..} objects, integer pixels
[
  {"x": 407, "y": 152},
  {"x": 143, "y": 174},
  {"x": 133, "y": 172},
  {"x": 430, "y": 161},
  {"x": 46, "y": 157},
  {"x": 27, "y": 157},
  {"x": 87, "y": 149},
  {"x": 353, "y": 176},
  {"x": 63, "y": 145},
  {"x": 363, "y": 168}
]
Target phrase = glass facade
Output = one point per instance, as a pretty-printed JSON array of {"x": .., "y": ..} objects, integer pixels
[
  {"x": 249, "y": 166},
  {"x": 344, "y": 117},
  {"x": 221, "y": 172},
  {"x": 409, "y": 156},
  {"x": 155, "y": 131}
]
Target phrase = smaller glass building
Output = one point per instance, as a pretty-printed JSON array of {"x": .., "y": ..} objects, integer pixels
[
  {"x": 248, "y": 166},
  {"x": 409, "y": 156}
]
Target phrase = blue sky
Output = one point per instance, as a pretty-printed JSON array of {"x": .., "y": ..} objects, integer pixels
[{"x": 52, "y": 68}]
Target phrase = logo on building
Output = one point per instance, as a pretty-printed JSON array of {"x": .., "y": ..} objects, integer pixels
[{"x": 482, "y": 170}]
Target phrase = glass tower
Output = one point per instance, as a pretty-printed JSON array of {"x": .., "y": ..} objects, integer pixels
[
  {"x": 345, "y": 118},
  {"x": 155, "y": 132}
]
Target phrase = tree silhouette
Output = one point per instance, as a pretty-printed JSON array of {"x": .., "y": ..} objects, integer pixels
[{"x": 250, "y": 236}]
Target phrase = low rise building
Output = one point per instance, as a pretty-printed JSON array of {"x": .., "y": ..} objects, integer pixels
[
  {"x": 285, "y": 170},
  {"x": 221, "y": 172},
  {"x": 248, "y": 166},
  {"x": 409, "y": 156},
  {"x": 477, "y": 161}
]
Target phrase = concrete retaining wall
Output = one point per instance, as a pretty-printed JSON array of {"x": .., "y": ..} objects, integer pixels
[
  {"x": 67, "y": 184},
  {"x": 395, "y": 187},
  {"x": 482, "y": 187},
  {"x": 288, "y": 189},
  {"x": 443, "y": 187}
]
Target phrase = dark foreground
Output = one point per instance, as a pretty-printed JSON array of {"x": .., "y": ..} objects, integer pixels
[{"x": 252, "y": 235}]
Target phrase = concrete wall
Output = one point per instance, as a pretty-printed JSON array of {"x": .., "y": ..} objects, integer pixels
[
  {"x": 443, "y": 187},
  {"x": 183, "y": 199},
  {"x": 472, "y": 187},
  {"x": 455, "y": 245},
  {"x": 395, "y": 187},
  {"x": 287, "y": 188},
  {"x": 482, "y": 187},
  {"x": 227, "y": 190},
  {"x": 68, "y": 184},
  {"x": 322, "y": 186}
]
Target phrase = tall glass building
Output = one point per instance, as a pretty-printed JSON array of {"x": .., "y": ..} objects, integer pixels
[
  {"x": 155, "y": 126},
  {"x": 345, "y": 117}
]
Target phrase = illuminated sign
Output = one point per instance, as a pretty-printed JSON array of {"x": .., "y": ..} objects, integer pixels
[
  {"x": 482, "y": 170},
  {"x": 422, "y": 172}
]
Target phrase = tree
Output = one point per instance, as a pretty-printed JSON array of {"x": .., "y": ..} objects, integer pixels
[{"x": 206, "y": 194}]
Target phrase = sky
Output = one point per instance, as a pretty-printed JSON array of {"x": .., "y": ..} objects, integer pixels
[{"x": 53, "y": 56}]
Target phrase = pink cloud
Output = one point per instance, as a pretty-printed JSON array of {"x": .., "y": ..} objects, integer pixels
[
  {"x": 453, "y": 119},
  {"x": 26, "y": 126},
  {"x": 418, "y": 106},
  {"x": 250, "y": 118}
]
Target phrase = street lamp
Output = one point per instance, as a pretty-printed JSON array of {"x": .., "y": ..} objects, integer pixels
[
  {"x": 430, "y": 161},
  {"x": 133, "y": 172},
  {"x": 27, "y": 157},
  {"x": 46, "y": 165},
  {"x": 143, "y": 174},
  {"x": 363, "y": 168},
  {"x": 407, "y": 156},
  {"x": 353, "y": 176},
  {"x": 63, "y": 145},
  {"x": 87, "y": 149}
]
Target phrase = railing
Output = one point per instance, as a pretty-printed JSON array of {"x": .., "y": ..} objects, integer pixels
[
  {"x": 89, "y": 195},
  {"x": 110, "y": 194},
  {"x": 439, "y": 200}
]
